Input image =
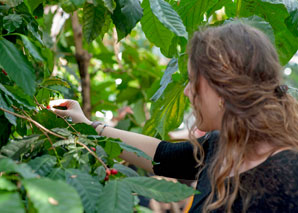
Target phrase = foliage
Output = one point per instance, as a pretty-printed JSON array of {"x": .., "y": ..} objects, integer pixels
[{"x": 47, "y": 164}]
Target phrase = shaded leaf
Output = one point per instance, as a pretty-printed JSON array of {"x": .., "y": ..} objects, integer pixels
[
  {"x": 7, "y": 185},
  {"x": 9, "y": 166},
  {"x": 95, "y": 21},
  {"x": 12, "y": 22},
  {"x": 71, "y": 5},
  {"x": 87, "y": 187},
  {"x": 84, "y": 129},
  {"x": 126, "y": 15},
  {"x": 54, "y": 81},
  {"x": 43, "y": 165},
  {"x": 116, "y": 197},
  {"x": 11, "y": 118},
  {"x": 160, "y": 190},
  {"x": 125, "y": 170},
  {"x": 10, "y": 202},
  {"x": 53, "y": 196},
  {"x": 113, "y": 150},
  {"x": 101, "y": 172},
  {"x": 57, "y": 174},
  {"x": 17, "y": 66},
  {"x": 12, "y": 3},
  {"x": 31, "y": 48}
]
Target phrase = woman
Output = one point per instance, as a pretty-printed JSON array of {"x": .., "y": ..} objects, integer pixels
[{"x": 248, "y": 160}]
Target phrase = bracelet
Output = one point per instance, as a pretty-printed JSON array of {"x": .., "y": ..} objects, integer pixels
[
  {"x": 96, "y": 123},
  {"x": 101, "y": 131}
]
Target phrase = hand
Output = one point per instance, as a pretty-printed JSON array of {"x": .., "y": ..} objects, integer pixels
[{"x": 73, "y": 110}]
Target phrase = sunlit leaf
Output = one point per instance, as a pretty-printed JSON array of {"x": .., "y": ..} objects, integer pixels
[{"x": 10, "y": 202}]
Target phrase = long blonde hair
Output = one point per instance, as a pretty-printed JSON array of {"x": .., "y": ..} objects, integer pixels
[{"x": 241, "y": 65}]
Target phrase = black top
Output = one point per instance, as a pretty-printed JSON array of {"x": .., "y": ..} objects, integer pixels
[{"x": 272, "y": 185}]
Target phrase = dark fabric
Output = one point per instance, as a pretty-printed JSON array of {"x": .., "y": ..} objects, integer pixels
[{"x": 271, "y": 186}]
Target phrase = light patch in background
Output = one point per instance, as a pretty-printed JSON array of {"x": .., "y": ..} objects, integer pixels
[
  {"x": 99, "y": 114},
  {"x": 120, "y": 56},
  {"x": 182, "y": 126},
  {"x": 287, "y": 71},
  {"x": 118, "y": 81},
  {"x": 108, "y": 115}
]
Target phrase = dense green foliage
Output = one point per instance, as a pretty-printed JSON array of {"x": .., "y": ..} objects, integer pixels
[{"x": 50, "y": 165}]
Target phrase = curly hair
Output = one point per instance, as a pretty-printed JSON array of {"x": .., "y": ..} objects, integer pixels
[{"x": 241, "y": 65}]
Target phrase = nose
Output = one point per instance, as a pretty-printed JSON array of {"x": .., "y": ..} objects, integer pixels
[{"x": 186, "y": 90}]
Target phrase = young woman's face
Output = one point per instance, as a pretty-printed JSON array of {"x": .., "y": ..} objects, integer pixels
[{"x": 207, "y": 102}]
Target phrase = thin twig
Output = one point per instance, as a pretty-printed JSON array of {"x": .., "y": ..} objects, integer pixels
[
  {"x": 92, "y": 153},
  {"x": 34, "y": 122}
]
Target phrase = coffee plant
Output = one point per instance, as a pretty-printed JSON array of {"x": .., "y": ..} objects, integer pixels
[{"x": 49, "y": 164}]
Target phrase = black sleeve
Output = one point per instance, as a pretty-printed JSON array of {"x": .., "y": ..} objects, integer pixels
[{"x": 177, "y": 160}]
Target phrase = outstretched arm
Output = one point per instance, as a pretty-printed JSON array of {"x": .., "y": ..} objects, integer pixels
[{"x": 145, "y": 143}]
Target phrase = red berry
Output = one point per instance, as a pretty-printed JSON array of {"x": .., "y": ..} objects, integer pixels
[
  {"x": 114, "y": 171},
  {"x": 48, "y": 107},
  {"x": 108, "y": 172},
  {"x": 35, "y": 17},
  {"x": 94, "y": 150},
  {"x": 5, "y": 73},
  {"x": 107, "y": 177}
]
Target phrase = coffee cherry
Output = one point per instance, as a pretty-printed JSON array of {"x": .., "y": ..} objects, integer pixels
[
  {"x": 108, "y": 172},
  {"x": 94, "y": 150},
  {"x": 107, "y": 178},
  {"x": 114, "y": 171},
  {"x": 5, "y": 73},
  {"x": 48, "y": 107},
  {"x": 35, "y": 17}
]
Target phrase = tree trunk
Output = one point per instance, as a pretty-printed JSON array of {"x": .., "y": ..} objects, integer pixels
[{"x": 83, "y": 59}]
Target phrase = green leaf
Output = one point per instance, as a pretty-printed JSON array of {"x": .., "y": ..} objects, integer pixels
[
  {"x": 57, "y": 174},
  {"x": 5, "y": 130},
  {"x": 17, "y": 66},
  {"x": 95, "y": 21},
  {"x": 160, "y": 190},
  {"x": 32, "y": 48},
  {"x": 292, "y": 22},
  {"x": 12, "y": 22},
  {"x": 17, "y": 94},
  {"x": 12, "y": 3},
  {"x": 129, "y": 148},
  {"x": 71, "y": 5},
  {"x": 110, "y": 4},
  {"x": 43, "y": 165},
  {"x": 54, "y": 81},
  {"x": 18, "y": 147},
  {"x": 87, "y": 187},
  {"x": 113, "y": 150},
  {"x": 53, "y": 196},
  {"x": 101, "y": 172},
  {"x": 192, "y": 12},
  {"x": 7, "y": 185},
  {"x": 43, "y": 95},
  {"x": 33, "y": 4},
  {"x": 11, "y": 118},
  {"x": 84, "y": 129},
  {"x": 116, "y": 197},
  {"x": 10, "y": 202},
  {"x": 9, "y": 166},
  {"x": 125, "y": 170},
  {"x": 168, "y": 111},
  {"x": 168, "y": 17},
  {"x": 126, "y": 15},
  {"x": 64, "y": 142},
  {"x": 155, "y": 32},
  {"x": 166, "y": 78}
]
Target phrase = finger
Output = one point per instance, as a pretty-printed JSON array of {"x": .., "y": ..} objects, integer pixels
[
  {"x": 59, "y": 102},
  {"x": 60, "y": 112}
]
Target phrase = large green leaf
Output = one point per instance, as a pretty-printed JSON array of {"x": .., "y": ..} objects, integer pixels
[
  {"x": 9, "y": 166},
  {"x": 32, "y": 48},
  {"x": 71, "y": 5},
  {"x": 18, "y": 147},
  {"x": 292, "y": 22},
  {"x": 192, "y": 12},
  {"x": 154, "y": 30},
  {"x": 12, "y": 22},
  {"x": 53, "y": 196},
  {"x": 87, "y": 187},
  {"x": 112, "y": 149},
  {"x": 125, "y": 170},
  {"x": 7, "y": 185},
  {"x": 11, "y": 118},
  {"x": 17, "y": 66},
  {"x": 57, "y": 174},
  {"x": 43, "y": 165},
  {"x": 166, "y": 78},
  {"x": 10, "y": 202},
  {"x": 33, "y": 4},
  {"x": 95, "y": 21},
  {"x": 160, "y": 190},
  {"x": 167, "y": 111},
  {"x": 116, "y": 197},
  {"x": 276, "y": 14},
  {"x": 126, "y": 16},
  {"x": 168, "y": 17}
]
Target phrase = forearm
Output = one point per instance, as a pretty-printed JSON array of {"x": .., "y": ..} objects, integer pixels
[{"x": 145, "y": 143}]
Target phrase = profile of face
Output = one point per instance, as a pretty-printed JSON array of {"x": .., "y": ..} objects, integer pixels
[{"x": 206, "y": 101}]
